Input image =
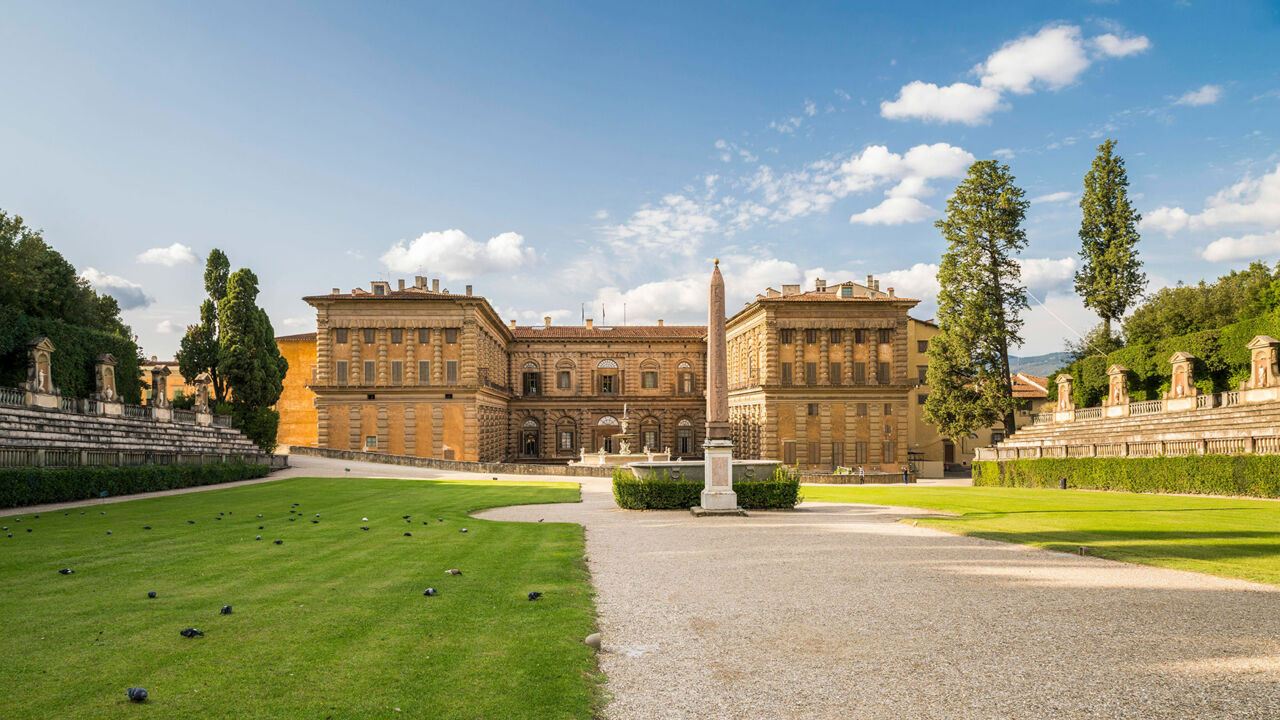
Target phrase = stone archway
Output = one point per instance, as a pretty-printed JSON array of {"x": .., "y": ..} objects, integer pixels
[{"x": 606, "y": 428}]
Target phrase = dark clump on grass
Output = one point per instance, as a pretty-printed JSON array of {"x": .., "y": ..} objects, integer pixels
[
  {"x": 534, "y": 595},
  {"x": 136, "y": 694},
  {"x": 226, "y": 610},
  {"x": 190, "y": 633}
]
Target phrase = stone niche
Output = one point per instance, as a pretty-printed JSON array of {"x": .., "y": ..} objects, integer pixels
[
  {"x": 1182, "y": 391},
  {"x": 104, "y": 379},
  {"x": 1065, "y": 409},
  {"x": 1116, "y": 404},
  {"x": 39, "y": 386},
  {"x": 1263, "y": 384}
]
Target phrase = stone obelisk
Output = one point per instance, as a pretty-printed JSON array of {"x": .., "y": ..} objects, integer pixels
[{"x": 718, "y": 496}]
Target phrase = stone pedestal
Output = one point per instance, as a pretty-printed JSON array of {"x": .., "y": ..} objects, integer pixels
[
  {"x": 114, "y": 409},
  {"x": 1180, "y": 404},
  {"x": 204, "y": 418},
  {"x": 718, "y": 497},
  {"x": 161, "y": 414},
  {"x": 1114, "y": 411},
  {"x": 42, "y": 400}
]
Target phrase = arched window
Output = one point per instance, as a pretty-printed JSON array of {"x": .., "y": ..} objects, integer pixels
[
  {"x": 529, "y": 438},
  {"x": 608, "y": 420},
  {"x": 566, "y": 436},
  {"x": 607, "y": 365},
  {"x": 649, "y": 375},
  {"x": 684, "y": 437},
  {"x": 650, "y": 434},
  {"x": 531, "y": 379},
  {"x": 608, "y": 380},
  {"x": 684, "y": 372}
]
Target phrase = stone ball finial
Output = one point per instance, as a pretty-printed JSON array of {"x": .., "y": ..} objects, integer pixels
[{"x": 717, "y": 261}]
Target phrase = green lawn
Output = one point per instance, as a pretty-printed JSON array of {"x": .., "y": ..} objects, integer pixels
[
  {"x": 331, "y": 624},
  {"x": 1220, "y": 536}
]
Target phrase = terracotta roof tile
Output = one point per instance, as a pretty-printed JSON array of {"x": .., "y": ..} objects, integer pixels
[
  {"x": 299, "y": 336},
  {"x": 628, "y": 332},
  {"x": 406, "y": 294}
]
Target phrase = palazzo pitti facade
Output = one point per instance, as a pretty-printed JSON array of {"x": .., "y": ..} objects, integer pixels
[{"x": 817, "y": 377}]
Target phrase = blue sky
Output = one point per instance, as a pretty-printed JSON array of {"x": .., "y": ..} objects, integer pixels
[{"x": 603, "y": 153}]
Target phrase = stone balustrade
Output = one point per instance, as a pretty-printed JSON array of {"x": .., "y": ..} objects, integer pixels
[
  {"x": 54, "y": 457},
  {"x": 1251, "y": 445}
]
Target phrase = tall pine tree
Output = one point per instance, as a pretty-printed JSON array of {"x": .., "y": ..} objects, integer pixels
[
  {"x": 249, "y": 359},
  {"x": 199, "y": 349},
  {"x": 1110, "y": 278},
  {"x": 979, "y": 304}
]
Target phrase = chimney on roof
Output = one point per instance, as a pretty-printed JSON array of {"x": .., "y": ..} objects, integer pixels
[
  {"x": 871, "y": 282},
  {"x": 659, "y": 322},
  {"x": 890, "y": 292},
  {"x": 401, "y": 284},
  {"x": 419, "y": 282},
  {"x": 788, "y": 290},
  {"x": 590, "y": 323},
  {"x": 513, "y": 324},
  {"x": 820, "y": 285},
  {"x": 468, "y": 291},
  {"x": 547, "y": 320},
  {"x": 336, "y": 291},
  {"x": 877, "y": 287},
  {"x": 435, "y": 285}
]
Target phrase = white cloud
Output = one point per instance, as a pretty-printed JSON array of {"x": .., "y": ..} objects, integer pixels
[
  {"x": 810, "y": 108},
  {"x": 677, "y": 223},
  {"x": 1205, "y": 95},
  {"x": 601, "y": 214},
  {"x": 1051, "y": 59},
  {"x": 961, "y": 102},
  {"x": 683, "y": 298},
  {"x": 304, "y": 321},
  {"x": 1003, "y": 153},
  {"x": 166, "y": 327},
  {"x": 1047, "y": 273},
  {"x": 919, "y": 281},
  {"x": 1246, "y": 247},
  {"x": 1116, "y": 46},
  {"x": 894, "y": 211},
  {"x": 175, "y": 254},
  {"x": 127, "y": 293},
  {"x": 1055, "y": 197},
  {"x": 1252, "y": 203},
  {"x": 453, "y": 254}
]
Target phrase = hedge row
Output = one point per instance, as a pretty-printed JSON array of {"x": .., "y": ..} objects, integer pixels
[
  {"x": 1248, "y": 475},
  {"x": 75, "y": 349},
  {"x": 630, "y": 493},
  {"x": 33, "y": 486}
]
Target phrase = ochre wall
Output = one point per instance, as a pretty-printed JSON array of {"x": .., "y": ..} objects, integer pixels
[{"x": 298, "y": 422}]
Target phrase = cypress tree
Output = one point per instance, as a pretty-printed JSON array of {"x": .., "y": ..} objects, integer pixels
[
  {"x": 979, "y": 303},
  {"x": 1110, "y": 278}
]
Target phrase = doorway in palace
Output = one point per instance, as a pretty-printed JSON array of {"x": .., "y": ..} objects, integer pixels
[
  {"x": 606, "y": 428},
  {"x": 529, "y": 439}
]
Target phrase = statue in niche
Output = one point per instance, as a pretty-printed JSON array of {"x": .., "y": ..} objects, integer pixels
[
  {"x": 202, "y": 381},
  {"x": 40, "y": 366}
]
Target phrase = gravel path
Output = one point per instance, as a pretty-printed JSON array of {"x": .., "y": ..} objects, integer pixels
[{"x": 837, "y": 611}]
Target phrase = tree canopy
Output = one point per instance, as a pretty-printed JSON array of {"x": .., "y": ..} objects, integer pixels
[
  {"x": 1183, "y": 309},
  {"x": 1110, "y": 278},
  {"x": 979, "y": 303}
]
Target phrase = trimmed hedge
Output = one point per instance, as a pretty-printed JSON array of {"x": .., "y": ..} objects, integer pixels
[
  {"x": 630, "y": 493},
  {"x": 33, "y": 486},
  {"x": 1248, "y": 475},
  {"x": 73, "y": 357}
]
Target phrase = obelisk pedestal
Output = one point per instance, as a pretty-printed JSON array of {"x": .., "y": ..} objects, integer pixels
[{"x": 718, "y": 497}]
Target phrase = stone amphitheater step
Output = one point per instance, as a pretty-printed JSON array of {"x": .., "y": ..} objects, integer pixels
[
  {"x": 1237, "y": 421},
  {"x": 30, "y": 427}
]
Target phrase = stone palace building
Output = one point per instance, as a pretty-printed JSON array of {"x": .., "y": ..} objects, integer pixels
[{"x": 817, "y": 377}]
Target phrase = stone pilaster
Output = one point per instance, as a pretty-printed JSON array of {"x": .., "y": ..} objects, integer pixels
[
  {"x": 324, "y": 347},
  {"x": 824, "y": 356}
]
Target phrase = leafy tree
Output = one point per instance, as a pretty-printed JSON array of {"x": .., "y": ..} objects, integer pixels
[
  {"x": 979, "y": 303},
  {"x": 199, "y": 349},
  {"x": 1110, "y": 278},
  {"x": 42, "y": 295},
  {"x": 1098, "y": 341},
  {"x": 1173, "y": 311},
  {"x": 248, "y": 358}
]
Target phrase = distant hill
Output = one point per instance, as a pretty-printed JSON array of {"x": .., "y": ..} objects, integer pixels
[{"x": 1041, "y": 365}]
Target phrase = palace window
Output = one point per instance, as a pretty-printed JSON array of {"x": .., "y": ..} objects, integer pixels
[
  {"x": 860, "y": 373},
  {"x": 451, "y": 372},
  {"x": 812, "y": 409},
  {"x": 424, "y": 335},
  {"x": 811, "y": 336},
  {"x": 846, "y": 291},
  {"x": 882, "y": 373},
  {"x": 370, "y": 442},
  {"x": 815, "y": 453},
  {"x": 922, "y": 374},
  {"x": 860, "y": 453},
  {"x": 341, "y": 373},
  {"x": 649, "y": 379},
  {"x": 996, "y": 437},
  {"x": 397, "y": 336},
  {"x": 836, "y": 336},
  {"x": 786, "y": 373},
  {"x": 922, "y": 346},
  {"x": 686, "y": 383},
  {"x": 340, "y": 336},
  {"x": 887, "y": 451},
  {"x": 564, "y": 380},
  {"x": 566, "y": 440},
  {"x": 608, "y": 384},
  {"x": 859, "y": 335},
  {"x": 862, "y": 409},
  {"x": 834, "y": 372},
  {"x": 424, "y": 372},
  {"x": 837, "y": 454},
  {"x": 649, "y": 439},
  {"x": 811, "y": 373},
  {"x": 397, "y": 372},
  {"x": 888, "y": 408},
  {"x": 784, "y": 336},
  {"x": 370, "y": 372},
  {"x": 370, "y": 336},
  {"x": 922, "y": 398},
  {"x": 532, "y": 381},
  {"x": 684, "y": 437},
  {"x": 789, "y": 452},
  {"x": 451, "y": 335},
  {"x": 886, "y": 335}
]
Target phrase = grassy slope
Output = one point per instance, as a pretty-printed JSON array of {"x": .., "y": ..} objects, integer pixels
[
  {"x": 1220, "y": 536},
  {"x": 332, "y": 623}
]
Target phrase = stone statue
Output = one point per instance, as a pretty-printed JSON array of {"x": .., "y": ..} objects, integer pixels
[
  {"x": 203, "y": 380},
  {"x": 40, "y": 366},
  {"x": 160, "y": 386},
  {"x": 105, "y": 377},
  {"x": 624, "y": 446}
]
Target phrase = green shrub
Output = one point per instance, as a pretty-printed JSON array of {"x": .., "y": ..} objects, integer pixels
[
  {"x": 33, "y": 486},
  {"x": 76, "y": 348},
  {"x": 257, "y": 424},
  {"x": 782, "y": 490},
  {"x": 1248, "y": 475}
]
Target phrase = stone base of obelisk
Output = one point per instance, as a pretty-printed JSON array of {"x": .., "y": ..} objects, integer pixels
[{"x": 718, "y": 497}]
